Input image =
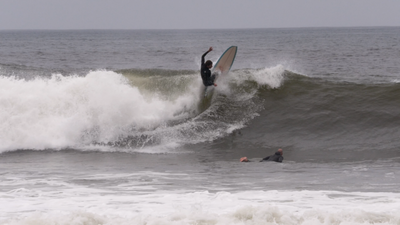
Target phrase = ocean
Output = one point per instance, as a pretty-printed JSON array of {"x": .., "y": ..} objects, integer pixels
[{"x": 111, "y": 127}]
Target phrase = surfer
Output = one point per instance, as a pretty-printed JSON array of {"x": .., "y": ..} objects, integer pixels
[
  {"x": 277, "y": 157},
  {"x": 208, "y": 79}
]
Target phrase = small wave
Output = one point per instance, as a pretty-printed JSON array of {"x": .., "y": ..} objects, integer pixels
[{"x": 396, "y": 81}]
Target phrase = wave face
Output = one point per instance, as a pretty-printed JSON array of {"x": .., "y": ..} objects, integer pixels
[
  {"x": 141, "y": 108},
  {"x": 328, "y": 120},
  {"x": 145, "y": 110}
]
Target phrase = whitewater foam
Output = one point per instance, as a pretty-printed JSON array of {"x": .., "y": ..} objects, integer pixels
[
  {"x": 273, "y": 76},
  {"x": 250, "y": 207},
  {"x": 55, "y": 113}
]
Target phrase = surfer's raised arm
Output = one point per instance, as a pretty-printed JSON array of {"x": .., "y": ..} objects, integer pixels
[{"x": 204, "y": 55}]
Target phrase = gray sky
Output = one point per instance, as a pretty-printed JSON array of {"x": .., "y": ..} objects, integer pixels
[{"x": 191, "y": 14}]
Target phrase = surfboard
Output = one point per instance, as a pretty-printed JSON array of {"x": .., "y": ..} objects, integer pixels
[
  {"x": 223, "y": 64},
  {"x": 226, "y": 60}
]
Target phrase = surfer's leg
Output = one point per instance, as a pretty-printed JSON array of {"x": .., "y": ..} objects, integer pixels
[{"x": 212, "y": 78}]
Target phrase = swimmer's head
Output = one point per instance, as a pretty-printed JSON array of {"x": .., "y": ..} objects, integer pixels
[{"x": 244, "y": 159}]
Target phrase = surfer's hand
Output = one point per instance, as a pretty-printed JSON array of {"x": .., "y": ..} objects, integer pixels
[
  {"x": 215, "y": 84},
  {"x": 210, "y": 49}
]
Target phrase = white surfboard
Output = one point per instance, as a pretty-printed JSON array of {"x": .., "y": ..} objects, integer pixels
[{"x": 223, "y": 64}]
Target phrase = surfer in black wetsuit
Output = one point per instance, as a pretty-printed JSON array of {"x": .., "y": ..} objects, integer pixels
[
  {"x": 208, "y": 79},
  {"x": 277, "y": 157}
]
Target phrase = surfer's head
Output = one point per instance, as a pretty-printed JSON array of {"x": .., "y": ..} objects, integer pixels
[
  {"x": 280, "y": 151},
  {"x": 209, "y": 64}
]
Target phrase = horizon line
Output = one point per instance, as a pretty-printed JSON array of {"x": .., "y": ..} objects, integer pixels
[{"x": 253, "y": 28}]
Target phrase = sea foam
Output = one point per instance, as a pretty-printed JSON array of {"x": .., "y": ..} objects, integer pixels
[
  {"x": 64, "y": 111},
  {"x": 249, "y": 207}
]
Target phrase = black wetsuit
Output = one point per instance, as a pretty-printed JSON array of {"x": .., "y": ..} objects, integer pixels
[
  {"x": 208, "y": 80},
  {"x": 277, "y": 157}
]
